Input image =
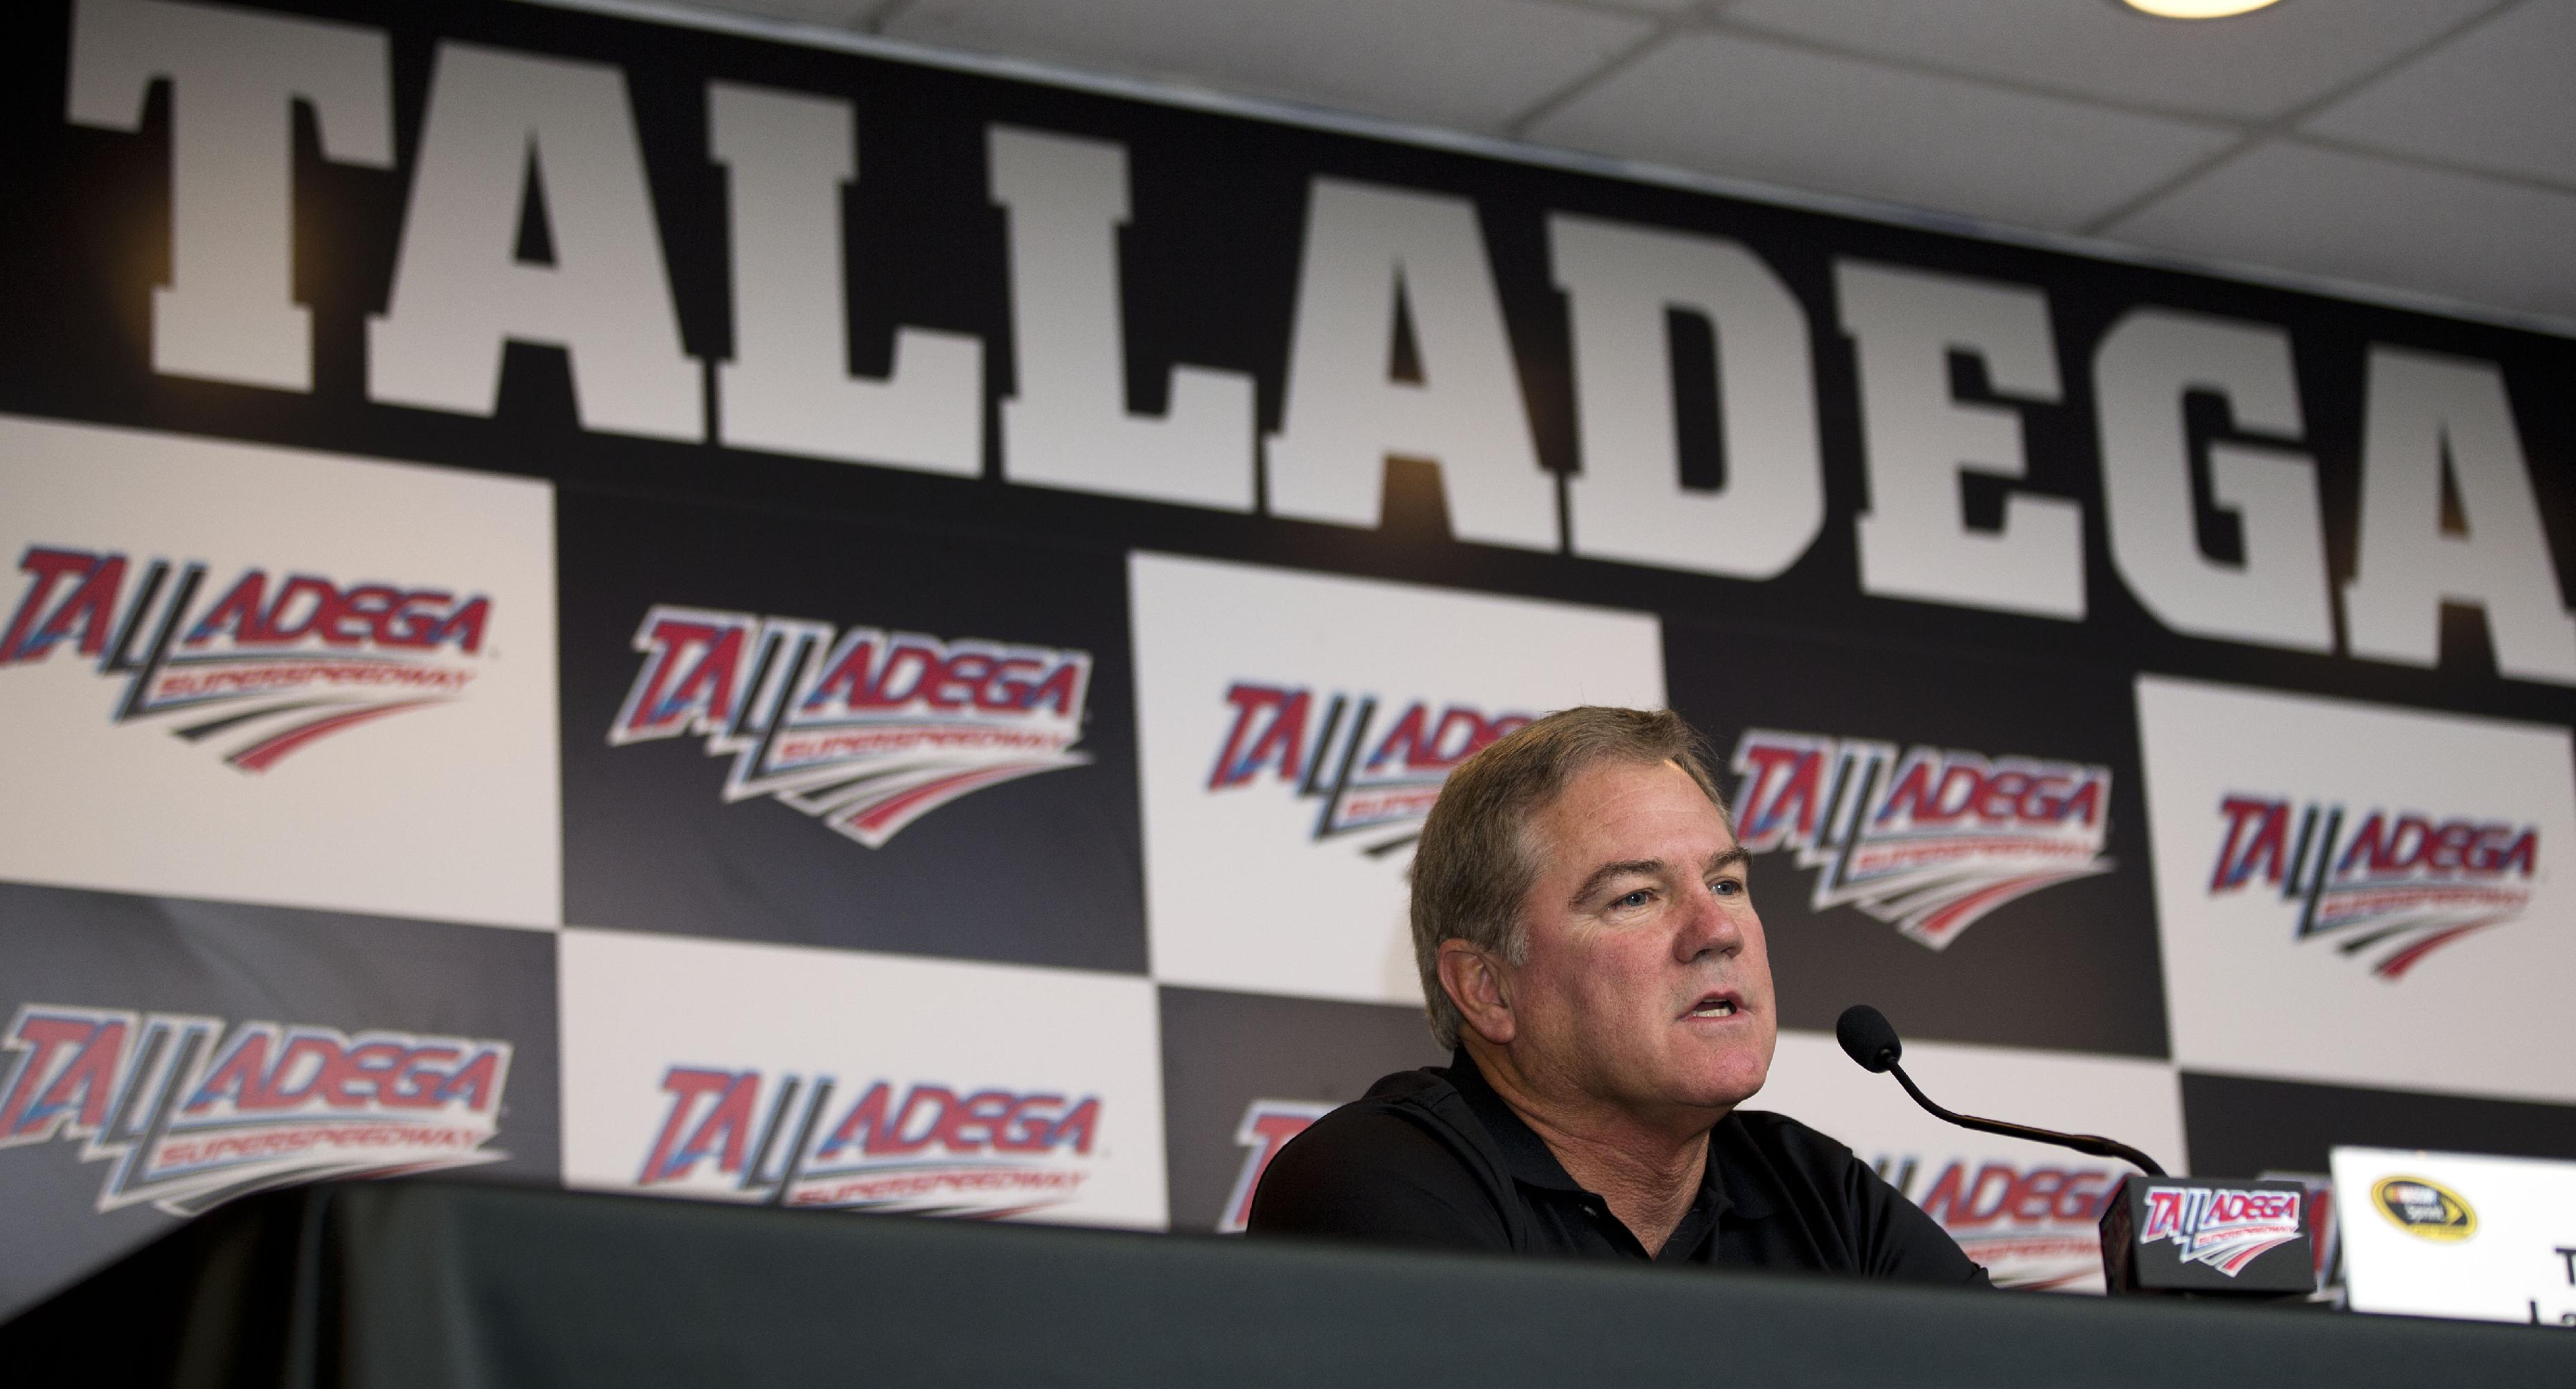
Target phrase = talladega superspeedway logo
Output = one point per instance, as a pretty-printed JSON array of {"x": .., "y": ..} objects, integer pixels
[
  {"x": 863, "y": 729},
  {"x": 925, "y": 1149},
  {"x": 1930, "y": 841},
  {"x": 1266, "y": 1128},
  {"x": 2034, "y": 1227},
  {"x": 189, "y": 1114},
  {"x": 2223, "y": 1228},
  {"x": 271, "y": 665},
  {"x": 1328, "y": 748},
  {"x": 2393, "y": 889}
]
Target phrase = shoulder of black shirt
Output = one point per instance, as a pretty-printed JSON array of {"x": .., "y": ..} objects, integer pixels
[{"x": 1433, "y": 1158}]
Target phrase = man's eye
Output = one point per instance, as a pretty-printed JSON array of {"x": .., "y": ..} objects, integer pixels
[
  {"x": 1638, "y": 898},
  {"x": 1727, "y": 887}
]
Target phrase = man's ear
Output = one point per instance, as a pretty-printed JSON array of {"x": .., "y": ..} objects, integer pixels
[{"x": 1476, "y": 985}]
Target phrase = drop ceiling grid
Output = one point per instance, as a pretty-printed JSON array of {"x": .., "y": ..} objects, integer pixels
[{"x": 2421, "y": 145}]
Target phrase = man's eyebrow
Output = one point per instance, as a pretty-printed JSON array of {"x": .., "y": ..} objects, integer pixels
[
  {"x": 1603, "y": 874},
  {"x": 1732, "y": 858}
]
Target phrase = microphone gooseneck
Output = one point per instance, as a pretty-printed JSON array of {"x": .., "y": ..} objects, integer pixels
[{"x": 1869, "y": 1039}]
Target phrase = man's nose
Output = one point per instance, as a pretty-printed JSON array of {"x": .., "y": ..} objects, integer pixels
[{"x": 1708, "y": 926}]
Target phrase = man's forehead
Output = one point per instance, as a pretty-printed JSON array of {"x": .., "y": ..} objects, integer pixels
[{"x": 1630, "y": 810}]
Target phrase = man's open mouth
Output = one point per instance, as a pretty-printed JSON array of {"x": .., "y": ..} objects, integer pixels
[{"x": 1714, "y": 1006}]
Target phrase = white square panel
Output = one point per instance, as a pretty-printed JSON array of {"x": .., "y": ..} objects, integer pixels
[
  {"x": 1469, "y": 63},
  {"x": 2251, "y": 66},
  {"x": 1787, "y": 115},
  {"x": 2294, "y": 206},
  {"x": 2027, "y": 1211},
  {"x": 2361, "y": 894},
  {"x": 2498, "y": 97},
  {"x": 338, "y": 692},
  {"x": 837, "y": 1080},
  {"x": 1295, "y": 728}
]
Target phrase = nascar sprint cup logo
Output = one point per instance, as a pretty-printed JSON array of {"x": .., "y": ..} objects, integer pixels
[
  {"x": 924, "y": 1149},
  {"x": 187, "y": 1113},
  {"x": 2387, "y": 886},
  {"x": 1369, "y": 779},
  {"x": 257, "y": 668},
  {"x": 1929, "y": 842},
  {"x": 866, "y": 730}
]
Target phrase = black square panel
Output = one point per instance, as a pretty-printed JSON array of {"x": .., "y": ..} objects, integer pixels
[
  {"x": 1958, "y": 839},
  {"x": 2242, "y": 1126},
  {"x": 165, "y": 1055},
  {"x": 814, "y": 732}
]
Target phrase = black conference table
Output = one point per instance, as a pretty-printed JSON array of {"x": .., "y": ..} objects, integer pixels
[{"x": 419, "y": 1283}]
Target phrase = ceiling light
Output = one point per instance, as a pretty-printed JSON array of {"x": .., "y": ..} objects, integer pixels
[{"x": 2197, "y": 9}]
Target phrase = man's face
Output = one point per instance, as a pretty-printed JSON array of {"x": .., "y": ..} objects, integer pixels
[{"x": 1647, "y": 985}]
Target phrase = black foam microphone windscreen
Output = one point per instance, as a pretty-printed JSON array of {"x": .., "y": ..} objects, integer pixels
[{"x": 1868, "y": 1037}]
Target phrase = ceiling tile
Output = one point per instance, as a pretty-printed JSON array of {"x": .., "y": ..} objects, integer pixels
[
  {"x": 2325, "y": 212},
  {"x": 1808, "y": 120},
  {"x": 2499, "y": 97},
  {"x": 1465, "y": 63},
  {"x": 2250, "y": 67}
]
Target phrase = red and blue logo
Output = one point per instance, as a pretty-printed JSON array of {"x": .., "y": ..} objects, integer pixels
[
  {"x": 922, "y": 1148},
  {"x": 2389, "y": 887},
  {"x": 1930, "y": 841},
  {"x": 1329, "y": 747},
  {"x": 2223, "y": 1228},
  {"x": 2032, "y": 1227},
  {"x": 259, "y": 669},
  {"x": 1266, "y": 1128},
  {"x": 863, "y": 729},
  {"x": 188, "y": 1113}
]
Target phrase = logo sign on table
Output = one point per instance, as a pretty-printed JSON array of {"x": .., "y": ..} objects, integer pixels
[
  {"x": 2222, "y": 1227},
  {"x": 2457, "y": 1235},
  {"x": 2186, "y": 1235}
]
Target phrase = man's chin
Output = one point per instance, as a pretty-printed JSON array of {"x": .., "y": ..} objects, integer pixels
[{"x": 1728, "y": 1085}]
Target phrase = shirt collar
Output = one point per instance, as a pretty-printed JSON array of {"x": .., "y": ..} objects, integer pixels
[
  {"x": 1524, "y": 1151},
  {"x": 1532, "y": 1163}
]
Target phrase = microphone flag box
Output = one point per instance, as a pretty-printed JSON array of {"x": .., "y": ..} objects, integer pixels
[{"x": 2209, "y": 1235}]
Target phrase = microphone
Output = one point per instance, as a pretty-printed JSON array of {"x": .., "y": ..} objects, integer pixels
[
  {"x": 1869, "y": 1039},
  {"x": 2160, "y": 1234}
]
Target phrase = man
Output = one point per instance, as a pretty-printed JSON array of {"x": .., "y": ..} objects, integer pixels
[{"x": 1589, "y": 948}]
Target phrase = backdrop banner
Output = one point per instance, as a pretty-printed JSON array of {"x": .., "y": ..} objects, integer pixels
[{"x": 884, "y": 624}]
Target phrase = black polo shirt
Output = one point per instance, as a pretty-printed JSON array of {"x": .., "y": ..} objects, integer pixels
[{"x": 1436, "y": 1158}]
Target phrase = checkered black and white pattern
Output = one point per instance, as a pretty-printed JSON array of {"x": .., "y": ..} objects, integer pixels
[{"x": 399, "y": 790}]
